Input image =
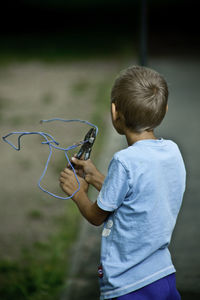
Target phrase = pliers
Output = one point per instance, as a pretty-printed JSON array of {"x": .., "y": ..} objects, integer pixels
[{"x": 88, "y": 142}]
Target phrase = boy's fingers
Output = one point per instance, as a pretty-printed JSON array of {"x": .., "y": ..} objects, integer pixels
[
  {"x": 68, "y": 171},
  {"x": 79, "y": 162},
  {"x": 62, "y": 179},
  {"x": 63, "y": 174}
]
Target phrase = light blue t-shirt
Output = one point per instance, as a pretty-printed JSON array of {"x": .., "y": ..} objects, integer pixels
[{"x": 143, "y": 189}]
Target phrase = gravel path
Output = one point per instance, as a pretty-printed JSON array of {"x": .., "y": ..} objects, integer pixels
[{"x": 182, "y": 124}]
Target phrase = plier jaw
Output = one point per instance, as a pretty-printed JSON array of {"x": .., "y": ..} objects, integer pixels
[{"x": 86, "y": 148}]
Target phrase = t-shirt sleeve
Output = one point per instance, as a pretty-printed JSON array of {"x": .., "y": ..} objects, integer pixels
[{"x": 115, "y": 187}]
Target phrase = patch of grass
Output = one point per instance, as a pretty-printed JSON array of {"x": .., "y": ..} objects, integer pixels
[
  {"x": 16, "y": 120},
  {"x": 3, "y": 103},
  {"x": 80, "y": 87},
  {"x": 40, "y": 272},
  {"x": 64, "y": 47},
  {"x": 25, "y": 164},
  {"x": 61, "y": 162},
  {"x": 35, "y": 214},
  {"x": 47, "y": 99}
]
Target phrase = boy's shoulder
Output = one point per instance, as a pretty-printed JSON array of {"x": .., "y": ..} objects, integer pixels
[
  {"x": 126, "y": 155},
  {"x": 143, "y": 149}
]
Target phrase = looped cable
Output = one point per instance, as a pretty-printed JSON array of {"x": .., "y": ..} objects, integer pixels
[{"x": 52, "y": 143}]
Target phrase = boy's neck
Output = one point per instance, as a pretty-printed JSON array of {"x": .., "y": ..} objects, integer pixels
[{"x": 133, "y": 137}]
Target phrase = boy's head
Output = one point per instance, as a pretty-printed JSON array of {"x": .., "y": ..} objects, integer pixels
[{"x": 140, "y": 94}]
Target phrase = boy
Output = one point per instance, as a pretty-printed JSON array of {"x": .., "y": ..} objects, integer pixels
[{"x": 140, "y": 198}]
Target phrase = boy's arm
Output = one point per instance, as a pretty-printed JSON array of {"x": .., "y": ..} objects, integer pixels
[
  {"x": 93, "y": 214},
  {"x": 88, "y": 209}
]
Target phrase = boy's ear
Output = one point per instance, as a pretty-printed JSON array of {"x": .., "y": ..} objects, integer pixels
[
  {"x": 116, "y": 115},
  {"x": 167, "y": 108},
  {"x": 114, "y": 111}
]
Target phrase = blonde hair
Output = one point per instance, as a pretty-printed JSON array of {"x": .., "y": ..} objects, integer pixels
[{"x": 141, "y": 95}]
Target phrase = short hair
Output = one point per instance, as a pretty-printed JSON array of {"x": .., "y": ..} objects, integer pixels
[{"x": 141, "y": 95}]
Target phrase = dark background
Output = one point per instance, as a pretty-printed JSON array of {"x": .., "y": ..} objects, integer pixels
[{"x": 63, "y": 28}]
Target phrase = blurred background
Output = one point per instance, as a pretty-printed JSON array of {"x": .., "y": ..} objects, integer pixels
[{"x": 59, "y": 59}]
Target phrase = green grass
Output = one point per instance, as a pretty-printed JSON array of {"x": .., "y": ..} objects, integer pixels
[
  {"x": 40, "y": 272},
  {"x": 80, "y": 87},
  {"x": 47, "y": 99},
  {"x": 35, "y": 214}
]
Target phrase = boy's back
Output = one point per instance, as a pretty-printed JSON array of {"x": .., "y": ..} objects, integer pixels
[
  {"x": 141, "y": 196},
  {"x": 144, "y": 187}
]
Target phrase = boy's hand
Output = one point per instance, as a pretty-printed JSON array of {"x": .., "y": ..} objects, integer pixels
[
  {"x": 91, "y": 174},
  {"x": 69, "y": 183},
  {"x": 85, "y": 167}
]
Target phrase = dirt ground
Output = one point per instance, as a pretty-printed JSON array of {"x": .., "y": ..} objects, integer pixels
[{"x": 30, "y": 92}]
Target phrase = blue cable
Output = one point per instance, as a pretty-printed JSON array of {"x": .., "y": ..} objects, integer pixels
[{"x": 52, "y": 143}]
